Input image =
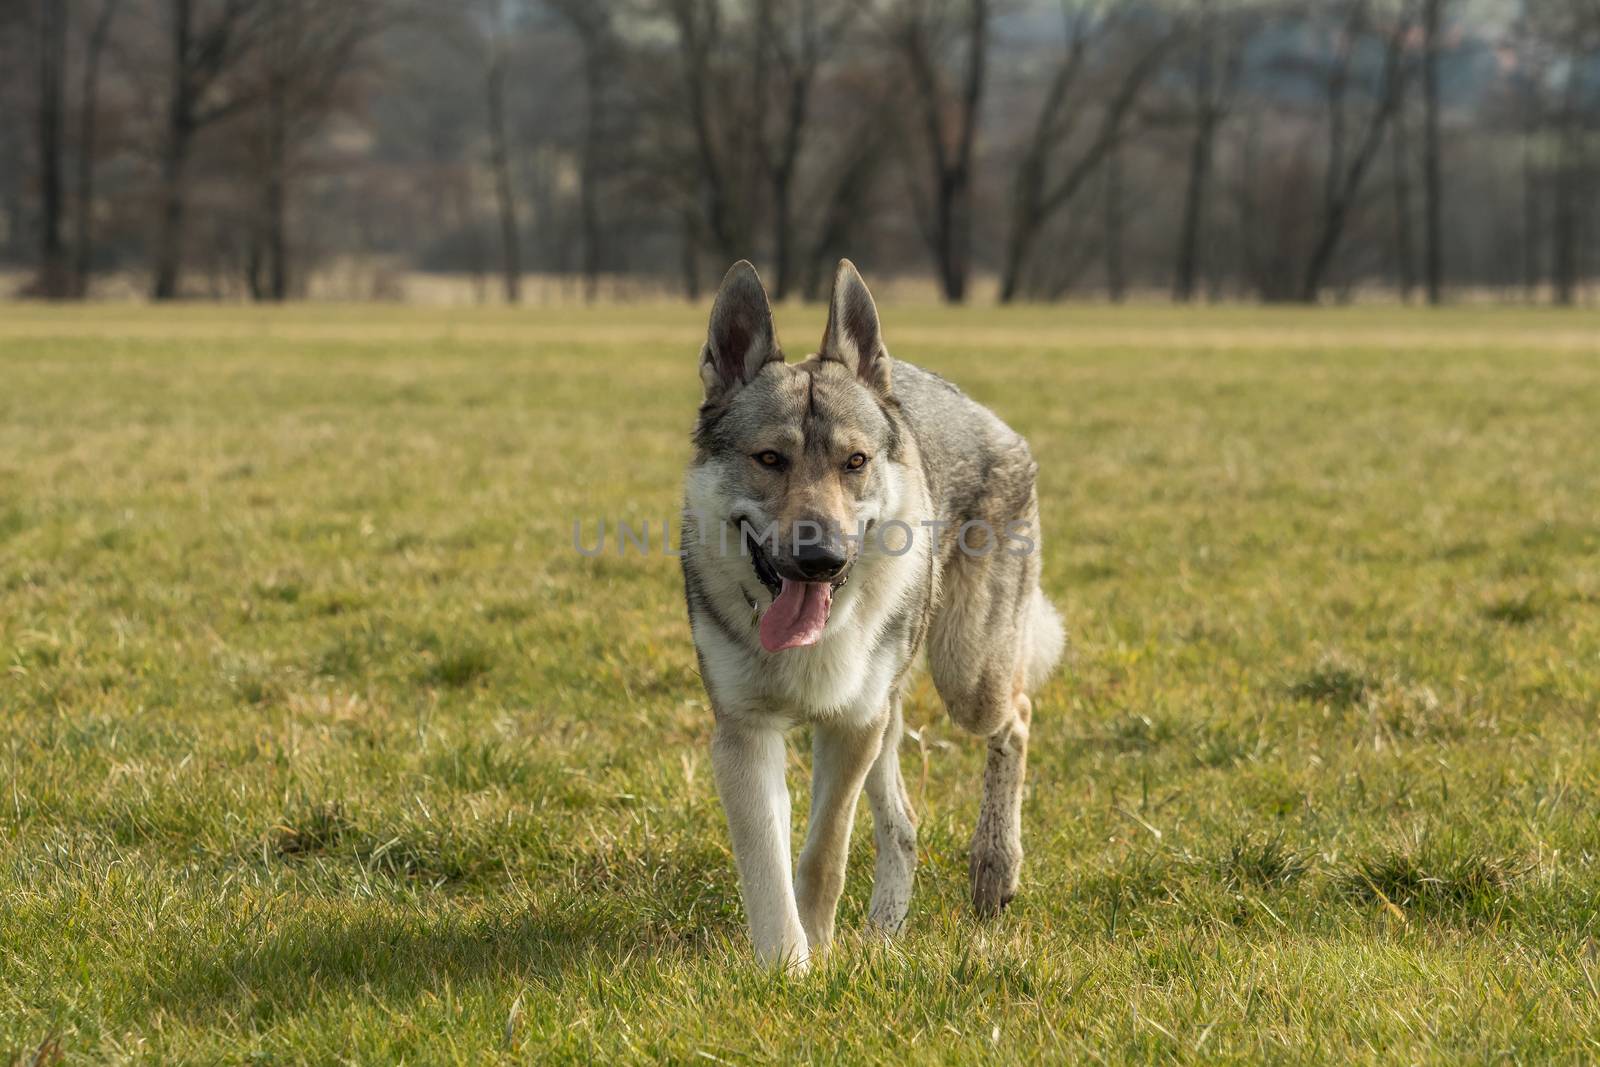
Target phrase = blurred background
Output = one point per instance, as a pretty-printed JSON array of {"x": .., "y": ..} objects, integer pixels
[{"x": 963, "y": 150}]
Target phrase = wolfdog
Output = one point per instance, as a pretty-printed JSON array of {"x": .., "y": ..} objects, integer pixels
[{"x": 841, "y": 514}]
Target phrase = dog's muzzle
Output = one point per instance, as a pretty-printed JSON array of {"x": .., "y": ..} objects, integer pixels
[{"x": 823, "y": 562}]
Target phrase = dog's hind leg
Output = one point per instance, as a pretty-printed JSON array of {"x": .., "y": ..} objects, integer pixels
[
  {"x": 841, "y": 759},
  {"x": 995, "y": 864},
  {"x": 995, "y": 708},
  {"x": 894, "y": 830},
  {"x": 980, "y": 653}
]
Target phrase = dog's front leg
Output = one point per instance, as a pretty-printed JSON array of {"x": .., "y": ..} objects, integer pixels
[
  {"x": 749, "y": 764},
  {"x": 841, "y": 758}
]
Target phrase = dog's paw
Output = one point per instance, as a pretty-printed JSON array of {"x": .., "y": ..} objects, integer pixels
[
  {"x": 995, "y": 871},
  {"x": 886, "y": 918},
  {"x": 791, "y": 958}
]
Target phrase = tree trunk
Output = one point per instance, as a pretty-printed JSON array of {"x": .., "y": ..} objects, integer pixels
[
  {"x": 689, "y": 261},
  {"x": 957, "y": 215},
  {"x": 1026, "y": 217},
  {"x": 1116, "y": 277},
  {"x": 841, "y": 213},
  {"x": 725, "y": 224},
  {"x": 1530, "y": 202},
  {"x": 1433, "y": 181},
  {"x": 270, "y": 260},
  {"x": 175, "y": 158},
  {"x": 1564, "y": 232},
  {"x": 275, "y": 205},
  {"x": 253, "y": 270},
  {"x": 1207, "y": 117},
  {"x": 782, "y": 240},
  {"x": 782, "y": 176},
  {"x": 1404, "y": 245},
  {"x": 1019, "y": 244},
  {"x": 1011, "y": 269},
  {"x": 1194, "y": 200},
  {"x": 169, "y": 250},
  {"x": 594, "y": 68},
  {"x": 88, "y": 117},
  {"x": 947, "y": 225},
  {"x": 1322, "y": 254},
  {"x": 955, "y": 231},
  {"x": 590, "y": 21},
  {"x": 54, "y": 280},
  {"x": 500, "y": 163}
]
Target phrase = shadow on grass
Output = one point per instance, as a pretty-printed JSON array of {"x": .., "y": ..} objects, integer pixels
[{"x": 398, "y": 952}]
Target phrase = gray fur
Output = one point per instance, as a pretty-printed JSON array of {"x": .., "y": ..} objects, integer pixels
[{"x": 931, "y": 454}]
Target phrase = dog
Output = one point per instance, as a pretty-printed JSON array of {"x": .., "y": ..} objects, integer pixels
[{"x": 841, "y": 514}]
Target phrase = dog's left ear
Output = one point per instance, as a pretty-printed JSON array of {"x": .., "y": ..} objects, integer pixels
[{"x": 853, "y": 336}]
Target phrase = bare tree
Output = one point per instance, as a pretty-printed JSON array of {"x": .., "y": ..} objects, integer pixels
[
  {"x": 701, "y": 41},
  {"x": 1565, "y": 235},
  {"x": 798, "y": 44},
  {"x": 88, "y": 149},
  {"x": 743, "y": 122},
  {"x": 846, "y": 202},
  {"x": 308, "y": 51},
  {"x": 16, "y": 46},
  {"x": 1528, "y": 60},
  {"x": 1528, "y": 122},
  {"x": 53, "y": 280},
  {"x": 1039, "y": 193},
  {"x": 1573, "y": 26},
  {"x": 1555, "y": 105},
  {"x": 1347, "y": 167},
  {"x": 500, "y": 152},
  {"x": 689, "y": 258},
  {"x": 948, "y": 121},
  {"x": 1433, "y": 12},
  {"x": 204, "y": 49},
  {"x": 1400, "y": 186},
  {"x": 1217, "y": 55},
  {"x": 593, "y": 21},
  {"x": 1115, "y": 227}
]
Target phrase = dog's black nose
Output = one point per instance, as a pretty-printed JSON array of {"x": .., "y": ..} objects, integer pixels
[{"x": 819, "y": 562}]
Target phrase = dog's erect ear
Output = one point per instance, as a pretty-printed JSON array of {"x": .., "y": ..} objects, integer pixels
[
  {"x": 852, "y": 336},
  {"x": 741, "y": 338}
]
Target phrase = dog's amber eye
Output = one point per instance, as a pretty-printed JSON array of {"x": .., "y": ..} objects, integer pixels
[
  {"x": 769, "y": 458},
  {"x": 856, "y": 462}
]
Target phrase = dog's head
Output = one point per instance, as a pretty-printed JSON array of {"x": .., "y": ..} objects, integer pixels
[{"x": 801, "y": 454}]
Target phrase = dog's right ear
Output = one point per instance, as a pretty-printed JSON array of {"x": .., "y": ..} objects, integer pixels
[{"x": 741, "y": 339}]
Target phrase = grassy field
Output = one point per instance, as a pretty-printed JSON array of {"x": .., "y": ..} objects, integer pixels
[{"x": 319, "y": 742}]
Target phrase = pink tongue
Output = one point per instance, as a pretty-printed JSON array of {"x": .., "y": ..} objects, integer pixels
[{"x": 797, "y": 616}]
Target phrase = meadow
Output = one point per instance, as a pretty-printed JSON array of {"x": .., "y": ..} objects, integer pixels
[{"x": 319, "y": 742}]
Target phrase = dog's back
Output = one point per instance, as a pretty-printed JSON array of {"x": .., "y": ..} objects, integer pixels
[{"x": 980, "y": 476}]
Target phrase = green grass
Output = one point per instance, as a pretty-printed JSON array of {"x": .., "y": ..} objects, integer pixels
[{"x": 319, "y": 742}]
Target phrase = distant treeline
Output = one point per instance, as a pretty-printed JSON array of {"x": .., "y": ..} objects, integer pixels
[{"x": 1281, "y": 150}]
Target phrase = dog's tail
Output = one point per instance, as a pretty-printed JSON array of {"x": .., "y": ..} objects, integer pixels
[{"x": 1046, "y": 640}]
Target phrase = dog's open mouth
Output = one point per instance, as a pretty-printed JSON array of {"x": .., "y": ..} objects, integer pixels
[
  {"x": 799, "y": 610},
  {"x": 758, "y": 559}
]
